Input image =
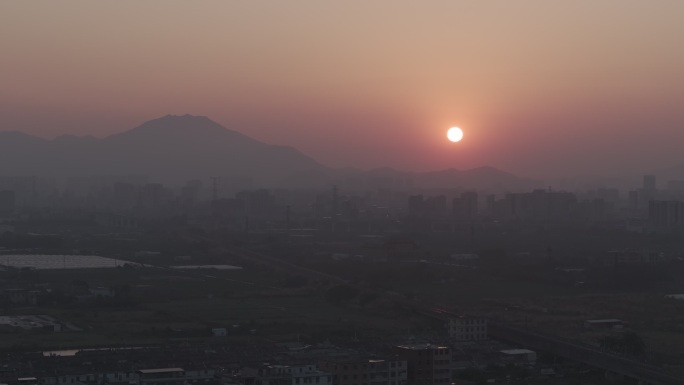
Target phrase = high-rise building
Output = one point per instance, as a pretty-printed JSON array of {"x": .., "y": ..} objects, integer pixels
[
  {"x": 648, "y": 192},
  {"x": 465, "y": 208},
  {"x": 633, "y": 198},
  {"x": 416, "y": 205},
  {"x": 7, "y": 201},
  {"x": 649, "y": 182},
  {"x": 666, "y": 214},
  {"x": 675, "y": 185},
  {"x": 436, "y": 206},
  {"x": 491, "y": 204},
  {"x": 611, "y": 195}
]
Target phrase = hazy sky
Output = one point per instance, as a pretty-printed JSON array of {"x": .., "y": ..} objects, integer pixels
[{"x": 539, "y": 87}]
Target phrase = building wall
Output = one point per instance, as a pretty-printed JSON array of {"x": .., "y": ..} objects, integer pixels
[
  {"x": 426, "y": 364},
  {"x": 367, "y": 372},
  {"x": 286, "y": 375},
  {"x": 468, "y": 329}
]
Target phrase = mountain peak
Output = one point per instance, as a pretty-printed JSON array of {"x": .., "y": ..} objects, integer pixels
[
  {"x": 187, "y": 121},
  {"x": 181, "y": 127},
  {"x": 186, "y": 117},
  {"x": 488, "y": 170}
]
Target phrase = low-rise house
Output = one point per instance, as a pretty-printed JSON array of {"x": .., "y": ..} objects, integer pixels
[
  {"x": 391, "y": 371},
  {"x": 609, "y": 323},
  {"x": 119, "y": 378},
  {"x": 101, "y": 291},
  {"x": 523, "y": 357},
  {"x": 426, "y": 364},
  {"x": 630, "y": 257},
  {"x": 200, "y": 376},
  {"x": 286, "y": 375},
  {"x": 464, "y": 257},
  {"x": 163, "y": 376},
  {"x": 22, "y": 296}
]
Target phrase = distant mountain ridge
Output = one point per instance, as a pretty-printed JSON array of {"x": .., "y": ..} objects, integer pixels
[
  {"x": 481, "y": 178},
  {"x": 174, "y": 149}
]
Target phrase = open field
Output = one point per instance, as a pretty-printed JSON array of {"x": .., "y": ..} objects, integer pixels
[
  {"x": 167, "y": 305},
  {"x": 163, "y": 305}
]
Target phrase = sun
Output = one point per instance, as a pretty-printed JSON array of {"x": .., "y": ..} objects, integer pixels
[{"x": 455, "y": 134}]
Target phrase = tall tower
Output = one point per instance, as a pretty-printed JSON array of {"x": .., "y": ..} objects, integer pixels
[
  {"x": 649, "y": 182},
  {"x": 335, "y": 202},
  {"x": 648, "y": 192},
  {"x": 214, "y": 188},
  {"x": 287, "y": 218}
]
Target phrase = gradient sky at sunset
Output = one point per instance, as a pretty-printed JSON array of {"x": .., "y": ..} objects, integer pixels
[{"x": 539, "y": 87}]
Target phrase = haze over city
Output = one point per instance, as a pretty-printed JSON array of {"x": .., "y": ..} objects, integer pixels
[
  {"x": 312, "y": 192},
  {"x": 533, "y": 84}
]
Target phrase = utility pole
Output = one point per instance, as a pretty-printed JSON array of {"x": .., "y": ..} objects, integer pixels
[{"x": 287, "y": 218}]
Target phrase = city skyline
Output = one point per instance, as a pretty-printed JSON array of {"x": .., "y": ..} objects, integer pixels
[{"x": 341, "y": 193}]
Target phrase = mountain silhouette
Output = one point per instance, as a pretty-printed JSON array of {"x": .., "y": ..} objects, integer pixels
[
  {"x": 171, "y": 149},
  {"x": 174, "y": 149}
]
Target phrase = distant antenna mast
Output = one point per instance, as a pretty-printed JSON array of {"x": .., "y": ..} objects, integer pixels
[
  {"x": 335, "y": 201},
  {"x": 214, "y": 188},
  {"x": 287, "y": 218}
]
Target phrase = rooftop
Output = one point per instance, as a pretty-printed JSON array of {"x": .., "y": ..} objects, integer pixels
[
  {"x": 422, "y": 347},
  {"x": 162, "y": 370},
  {"x": 516, "y": 351}
]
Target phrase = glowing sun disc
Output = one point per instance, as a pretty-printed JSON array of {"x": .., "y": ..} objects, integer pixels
[{"x": 455, "y": 134}]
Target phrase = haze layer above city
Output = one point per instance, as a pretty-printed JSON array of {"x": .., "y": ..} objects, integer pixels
[
  {"x": 541, "y": 89},
  {"x": 308, "y": 192}
]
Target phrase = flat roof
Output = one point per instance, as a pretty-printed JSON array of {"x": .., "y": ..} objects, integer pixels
[
  {"x": 162, "y": 370},
  {"x": 516, "y": 351},
  {"x": 421, "y": 347},
  {"x": 603, "y": 320}
]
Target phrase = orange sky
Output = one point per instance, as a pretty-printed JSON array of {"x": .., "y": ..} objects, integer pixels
[{"x": 539, "y": 87}]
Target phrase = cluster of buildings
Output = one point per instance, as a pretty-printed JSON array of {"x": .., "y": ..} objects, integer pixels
[
  {"x": 131, "y": 201},
  {"x": 535, "y": 206},
  {"x": 645, "y": 209},
  {"x": 161, "y": 376},
  {"x": 263, "y": 364}
]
